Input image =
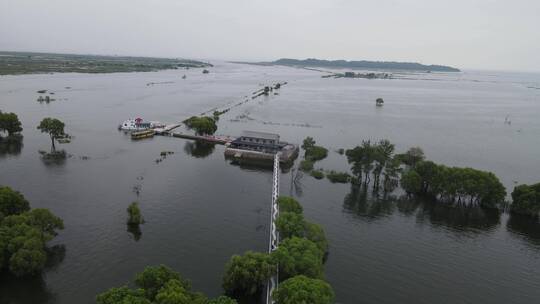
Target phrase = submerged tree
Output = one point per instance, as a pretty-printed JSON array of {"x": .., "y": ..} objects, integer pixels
[
  {"x": 301, "y": 289},
  {"x": 24, "y": 234},
  {"x": 201, "y": 125},
  {"x": 9, "y": 123},
  {"x": 246, "y": 275},
  {"x": 54, "y": 127},
  {"x": 526, "y": 199},
  {"x": 156, "y": 285},
  {"x": 299, "y": 256}
]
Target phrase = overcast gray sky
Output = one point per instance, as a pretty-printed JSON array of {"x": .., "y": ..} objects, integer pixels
[{"x": 478, "y": 34}]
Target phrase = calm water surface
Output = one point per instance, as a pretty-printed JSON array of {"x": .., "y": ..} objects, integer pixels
[{"x": 200, "y": 209}]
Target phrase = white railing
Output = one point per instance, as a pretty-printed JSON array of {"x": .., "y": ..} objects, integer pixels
[{"x": 274, "y": 233}]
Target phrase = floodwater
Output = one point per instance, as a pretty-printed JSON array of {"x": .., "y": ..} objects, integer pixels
[{"x": 200, "y": 209}]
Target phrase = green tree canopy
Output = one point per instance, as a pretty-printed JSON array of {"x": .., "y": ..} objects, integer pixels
[
  {"x": 247, "y": 274},
  {"x": 153, "y": 278},
  {"x": 454, "y": 184},
  {"x": 134, "y": 214},
  {"x": 411, "y": 182},
  {"x": 412, "y": 156},
  {"x": 290, "y": 224},
  {"x": 526, "y": 199},
  {"x": 24, "y": 234},
  {"x": 9, "y": 123},
  {"x": 303, "y": 290},
  {"x": 315, "y": 233},
  {"x": 222, "y": 300},
  {"x": 289, "y": 204},
  {"x": 201, "y": 125},
  {"x": 52, "y": 126},
  {"x": 122, "y": 295},
  {"x": 308, "y": 143},
  {"x": 12, "y": 202},
  {"x": 299, "y": 256}
]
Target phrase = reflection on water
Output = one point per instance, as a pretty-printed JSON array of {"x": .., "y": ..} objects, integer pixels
[
  {"x": 525, "y": 227},
  {"x": 55, "y": 158},
  {"x": 55, "y": 255},
  {"x": 31, "y": 289},
  {"x": 11, "y": 146},
  {"x": 361, "y": 203},
  {"x": 25, "y": 290},
  {"x": 135, "y": 231},
  {"x": 474, "y": 219},
  {"x": 199, "y": 149}
]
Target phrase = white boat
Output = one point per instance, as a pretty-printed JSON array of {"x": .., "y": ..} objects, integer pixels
[{"x": 138, "y": 124}]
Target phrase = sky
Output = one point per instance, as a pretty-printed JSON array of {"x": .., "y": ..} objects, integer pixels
[{"x": 468, "y": 34}]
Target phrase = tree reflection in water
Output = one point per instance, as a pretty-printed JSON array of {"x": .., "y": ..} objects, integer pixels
[
  {"x": 31, "y": 289},
  {"x": 11, "y": 146},
  {"x": 363, "y": 204},
  {"x": 135, "y": 231},
  {"x": 199, "y": 149},
  {"x": 525, "y": 227}
]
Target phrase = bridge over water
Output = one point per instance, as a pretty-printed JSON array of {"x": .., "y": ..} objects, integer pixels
[{"x": 274, "y": 234}]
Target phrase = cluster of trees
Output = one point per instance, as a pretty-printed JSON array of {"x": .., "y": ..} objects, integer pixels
[
  {"x": 158, "y": 285},
  {"x": 10, "y": 124},
  {"x": 201, "y": 125},
  {"x": 299, "y": 257},
  {"x": 464, "y": 186},
  {"x": 373, "y": 160},
  {"x": 526, "y": 199},
  {"x": 24, "y": 233}
]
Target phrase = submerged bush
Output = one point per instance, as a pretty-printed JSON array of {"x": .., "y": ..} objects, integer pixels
[
  {"x": 318, "y": 174},
  {"x": 134, "y": 214},
  {"x": 306, "y": 165},
  {"x": 338, "y": 177}
]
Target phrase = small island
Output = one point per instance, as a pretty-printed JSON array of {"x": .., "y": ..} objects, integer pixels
[{"x": 363, "y": 64}]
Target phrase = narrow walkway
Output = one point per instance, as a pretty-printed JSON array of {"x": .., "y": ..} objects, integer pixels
[{"x": 274, "y": 234}]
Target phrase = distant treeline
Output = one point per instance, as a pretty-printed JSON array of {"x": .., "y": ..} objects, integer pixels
[
  {"x": 14, "y": 63},
  {"x": 363, "y": 64}
]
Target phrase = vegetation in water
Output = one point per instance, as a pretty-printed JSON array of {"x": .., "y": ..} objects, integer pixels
[
  {"x": 306, "y": 165},
  {"x": 302, "y": 289},
  {"x": 373, "y": 161},
  {"x": 158, "y": 285},
  {"x": 313, "y": 153},
  {"x": 338, "y": 177},
  {"x": 289, "y": 204},
  {"x": 13, "y": 63},
  {"x": 201, "y": 125},
  {"x": 134, "y": 214},
  {"x": 463, "y": 186},
  {"x": 526, "y": 200},
  {"x": 318, "y": 174},
  {"x": 24, "y": 234},
  {"x": 299, "y": 256},
  {"x": 246, "y": 275},
  {"x": 9, "y": 124},
  {"x": 291, "y": 223},
  {"x": 55, "y": 129}
]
